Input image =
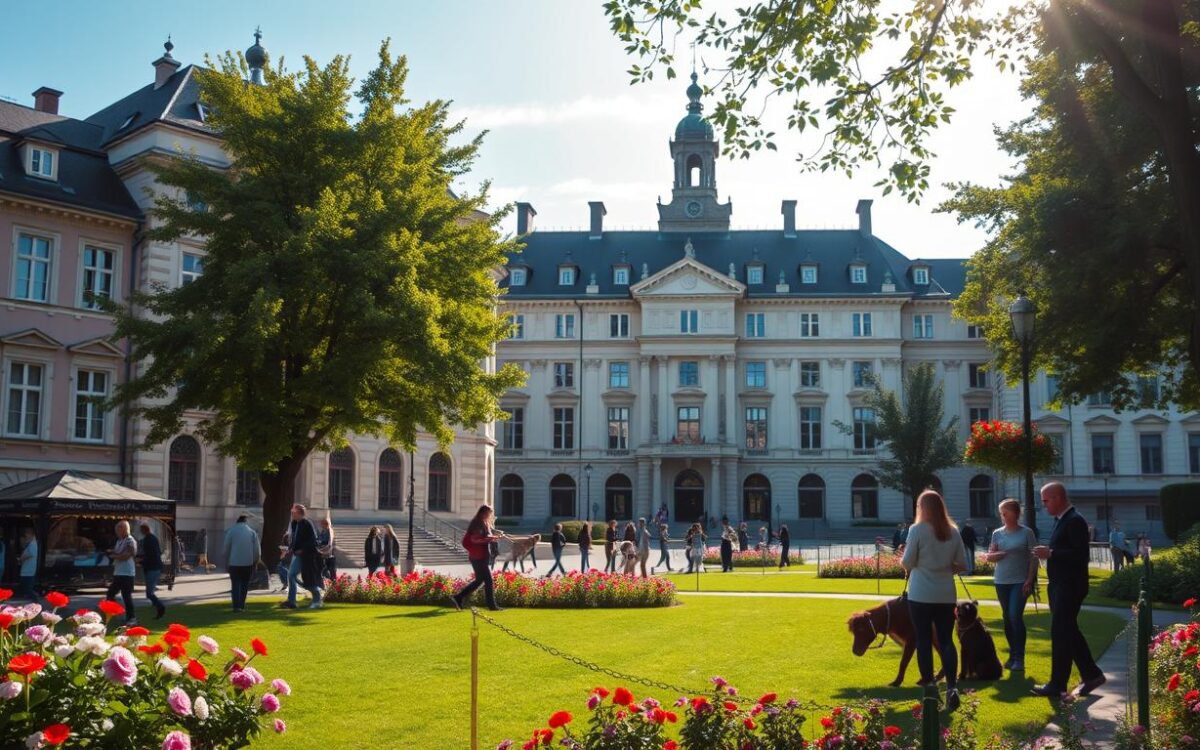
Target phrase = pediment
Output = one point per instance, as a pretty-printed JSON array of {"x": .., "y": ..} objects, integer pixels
[
  {"x": 1191, "y": 419},
  {"x": 1151, "y": 420},
  {"x": 1102, "y": 420},
  {"x": 32, "y": 337},
  {"x": 687, "y": 278},
  {"x": 1053, "y": 421},
  {"x": 97, "y": 347}
]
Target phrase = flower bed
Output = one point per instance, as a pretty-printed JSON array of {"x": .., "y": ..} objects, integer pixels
[
  {"x": 1174, "y": 687},
  {"x": 1000, "y": 445},
  {"x": 889, "y": 567},
  {"x": 572, "y": 591},
  {"x": 752, "y": 558},
  {"x": 75, "y": 681}
]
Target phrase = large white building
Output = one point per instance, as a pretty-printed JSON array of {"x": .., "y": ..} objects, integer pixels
[{"x": 723, "y": 372}]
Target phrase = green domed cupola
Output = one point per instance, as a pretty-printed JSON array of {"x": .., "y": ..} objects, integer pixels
[{"x": 693, "y": 127}]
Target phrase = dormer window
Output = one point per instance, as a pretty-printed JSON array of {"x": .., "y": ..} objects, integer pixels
[
  {"x": 566, "y": 276},
  {"x": 858, "y": 274},
  {"x": 517, "y": 276},
  {"x": 808, "y": 274},
  {"x": 201, "y": 112},
  {"x": 754, "y": 273},
  {"x": 42, "y": 163},
  {"x": 620, "y": 275},
  {"x": 921, "y": 276}
]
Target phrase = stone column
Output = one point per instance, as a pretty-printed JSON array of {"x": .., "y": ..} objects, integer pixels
[
  {"x": 733, "y": 492},
  {"x": 713, "y": 508},
  {"x": 837, "y": 408},
  {"x": 643, "y": 483},
  {"x": 781, "y": 429},
  {"x": 731, "y": 422},
  {"x": 538, "y": 424},
  {"x": 595, "y": 420},
  {"x": 712, "y": 401},
  {"x": 666, "y": 427},
  {"x": 656, "y": 483},
  {"x": 642, "y": 405}
]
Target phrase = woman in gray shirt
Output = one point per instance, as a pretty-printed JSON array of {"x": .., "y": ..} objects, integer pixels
[
  {"x": 1016, "y": 569},
  {"x": 933, "y": 554}
]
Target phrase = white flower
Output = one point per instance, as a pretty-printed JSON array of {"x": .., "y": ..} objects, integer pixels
[
  {"x": 170, "y": 666},
  {"x": 50, "y": 618},
  {"x": 34, "y": 741},
  {"x": 90, "y": 644},
  {"x": 9, "y": 690},
  {"x": 208, "y": 644},
  {"x": 88, "y": 617},
  {"x": 200, "y": 707},
  {"x": 89, "y": 628},
  {"x": 64, "y": 651},
  {"x": 106, "y": 725},
  {"x": 32, "y": 610}
]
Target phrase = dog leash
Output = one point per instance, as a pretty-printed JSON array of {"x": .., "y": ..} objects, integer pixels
[{"x": 966, "y": 590}]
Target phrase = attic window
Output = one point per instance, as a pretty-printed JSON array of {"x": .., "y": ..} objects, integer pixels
[
  {"x": 566, "y": 276},
  {"x": 808, "y": 274},
  {"x": 620, "y": 275},
  {"x": 921, "y": 276},
  {"x": 754, "y": 273},
  {"x": 129, "y": 120},
  {"x": 517, "y": 277},
  {"x": 201, "y": 112},
  {"x": 42, "y": 163},
  {"x": 858, "y": 274}
]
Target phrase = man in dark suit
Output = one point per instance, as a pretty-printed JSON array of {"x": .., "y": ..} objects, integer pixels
[{"x": 1066, "y": 559}]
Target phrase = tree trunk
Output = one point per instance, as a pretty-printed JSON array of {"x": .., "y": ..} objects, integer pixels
[{"x": 279, "y": 491}]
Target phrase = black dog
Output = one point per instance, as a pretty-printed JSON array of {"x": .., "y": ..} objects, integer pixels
[{"x": 978, "y": 658}]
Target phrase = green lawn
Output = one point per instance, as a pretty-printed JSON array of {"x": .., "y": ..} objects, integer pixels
[{"x": 377, "y": 676}]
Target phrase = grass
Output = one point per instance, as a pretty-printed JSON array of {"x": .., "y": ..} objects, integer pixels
[{"x": 379, "y": 676}]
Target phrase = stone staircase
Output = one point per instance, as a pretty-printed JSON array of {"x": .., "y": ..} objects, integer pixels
[{"x": 428, "y": 549}]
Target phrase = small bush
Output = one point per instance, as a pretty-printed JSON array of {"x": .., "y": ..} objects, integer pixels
[
  {"x": 889, "y": 567},
  {"x": 571, "y": 531},
  {"x": 1180, "y": 507},
  {"x": 1175, "y": 574},
  {"x": 752, "y": 558}
]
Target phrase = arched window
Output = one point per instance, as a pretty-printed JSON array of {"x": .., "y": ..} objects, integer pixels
[
  {"x": 864, "y": 497},
  {"x": 982, "y": 496},
  {"x": 183, "y": 474},
  {"x": 695, "y": 171},
  {"x": 249, "y": 489},
  {"x": 439, "y": 482},
  {"x": 618, "y": 498},
  {"x": 391, "y": 484},
  {"x": 811, "y": 493},
  {"x": 562, "y": 496},
  {"x": 756, "y": 498},
  {"x": 512, "y": 496},
  {"x": 689, "y": 496},
  {"x": 341, "y": 478},
  {"x": 935, "y": 484}
]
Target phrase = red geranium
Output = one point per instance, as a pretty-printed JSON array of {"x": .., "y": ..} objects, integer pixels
[
  {"x": 730, "y": 706},
  {"x": 57, "y": 599},
  {"x": 5, "y": 594},
  {"x": 5, "y": 620},
  {"x": 110, "y": 608},
  {"x": 601, "y": 691},
  {"x": 622, "y": 697},
  {"x": 136, "y": 631},
  {"x": 177, "y": 651},
  {"x": 559, "y": 719},
  {"x": 197, "y": 670},
  {"x": 26, "y": 664},
  {"x": 259, "y": 647},
  {"x": 1191, "y": 696},
  {"x": 891, "y": 731},
  {"x": 1172, "y": 684},
  {"x": 827, "y": 722},
  {"x": 1189, "y": 603},
  {"x": 177, "y": 634},
  {"x": 155, "y": 649},
  {"x": 56, "y": 734},
  {"x": 748, "y": 722},
  {"x": 670, "y": 745},
  {"x": 768, "y": 698}
]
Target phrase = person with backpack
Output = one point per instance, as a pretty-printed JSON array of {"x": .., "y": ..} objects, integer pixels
[
  {"x": 475, "y": 541},
  {"x": 558, "y": 541}
]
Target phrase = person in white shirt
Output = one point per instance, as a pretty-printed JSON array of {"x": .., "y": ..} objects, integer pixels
[
  {"x": 27, "y": 562},
  {"x": 124, "y": 569}
]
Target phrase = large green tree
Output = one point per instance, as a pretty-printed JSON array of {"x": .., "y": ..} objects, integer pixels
[
  {"x": 346, "y": 289},
  {"x": 870, "y": 78}
]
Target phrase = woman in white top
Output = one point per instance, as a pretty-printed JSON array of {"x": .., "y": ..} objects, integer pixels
[
  {"x": 1016, "y": 569},
  {"x": 933, "y": 554}
]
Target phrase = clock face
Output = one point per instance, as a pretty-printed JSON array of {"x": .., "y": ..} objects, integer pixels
[{"x": 694, "y": 208}]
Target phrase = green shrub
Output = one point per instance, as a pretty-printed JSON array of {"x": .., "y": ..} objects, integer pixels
[
  {"x": 507, "y": 523},
  {"x": 571, "y": 531},
  {"x": 1175, "y": 574},
  {"x": 1180, "y": 507}
]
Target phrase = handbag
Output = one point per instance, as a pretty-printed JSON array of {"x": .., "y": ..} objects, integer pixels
[{"x": 260, "y": 578}]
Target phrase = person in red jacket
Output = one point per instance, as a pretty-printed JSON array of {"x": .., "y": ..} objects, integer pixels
[{"x": 479, "y": 535}]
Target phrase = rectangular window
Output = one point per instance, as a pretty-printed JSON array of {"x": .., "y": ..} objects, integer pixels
[
  {"x": 810, "y": 325},
  {"x": 618, "y": 374},
  {"x": 1056, "y": 439},
  {"x": 621, "y": 276},
  {"x": 977, "y": 376},
  {"x": 516, "y": 277},
  {"x": 33, "y": 268},
  {"x": 687, "y": 427},
  {"x": 922, "y": 326},
  {"x": 248, "y": 487},
  {"x": 756, "y": 325},
  {"x": 808, "y": 274},
  {"x": 974, "y": 332},
  {"x": 810, "y": 374},
  {"x": 754, "y": 275},
  {"x": 41, "y": 162},
  {"x": 1151, "y": 446},
  {"x": 98, "y": 268},
  {"x": 689, "y": 321},
  {"x": 193, "y": 266},
  {"x": 564, "y": 326},
  {"x": 518, "y": 326},
  {"x": 921, "y": 276},
  {"x": 566, "y": 276},
  {"x": 24, "y": 400},
  {"x": 1103, "y": 398},
  {"x": 564, "y": 374},
  {"x": 564, "y": 428},
  {"x": 858, "y": 274},
  {"x": 756, "y": 374},
  {"x": 91, "y": 387},
  {"x": 810, "y": 428},
  {"x": 864, "y": 374},
  {"x": 618, "y": 428},
  {"x": 864, "y": 429},
  {"x": 861, "y": 324},
  {"x": 618, "y": 326},
  {"x": 512, "y": 430},
  {"x": 1052, "y": 388},
  {"x": 1102, "y": 453},
  {"x": 689, "y": 373},
  {"x": 1147, "y": 387},
  {"x": 756, "y": 428},
  {"x": 1193, "y": 452},
  {"x": 979, "y": 414}
]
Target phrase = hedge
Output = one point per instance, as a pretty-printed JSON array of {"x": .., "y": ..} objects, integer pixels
[
  {"x": 1180, "y": 507},
  {"x": 571, "y": 531},
  {"x": 1175, "y": 573}
]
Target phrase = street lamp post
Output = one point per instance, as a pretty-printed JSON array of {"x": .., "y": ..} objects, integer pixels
[
  {"x": 1107, "y": 512},
  {"x": 410, "y": 564},
  {"x": 587, "y": 473},
  {"x": 1023, "y": 315}
]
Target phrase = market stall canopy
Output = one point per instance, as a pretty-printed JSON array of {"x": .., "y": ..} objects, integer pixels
[{"x": 76, "y": 492}]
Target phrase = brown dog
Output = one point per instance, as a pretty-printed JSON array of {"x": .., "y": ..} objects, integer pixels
[
  {"x": 888, "y": 620},
  {"x": 978, "y": 658}
]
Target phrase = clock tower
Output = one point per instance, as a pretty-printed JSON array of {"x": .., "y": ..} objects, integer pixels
[{"x": 694, "y": 206}]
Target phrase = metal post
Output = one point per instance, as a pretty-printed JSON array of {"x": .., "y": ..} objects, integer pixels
[
  {"x": 474, "y": 681},
  {"x": 410, "y": 564},
  {"x": 1030, "y": 507},
  {"x": 1107, "y": 511},
  {"x": 1145, "y": 625},
  {"x": 931, "y": 730}
]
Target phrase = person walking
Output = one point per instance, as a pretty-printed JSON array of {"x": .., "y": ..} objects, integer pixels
[
  {"x": 1143, "y": 550},
  {"x": 643, "y": 545},
  {"x": 629, "y": 534},
  {"x": 1011, "y": 550},
  {"x": 285, "y": 561},
  {"x": 152, "y": 567},
  {"x": 664, "y": 539},
  {"x": 728, "y": 537},
  {"x": 1066, "y": 555},
  {"x": 27, "y": 564},
  {"x": 897, "y": 537},
  {"x": 785, "y": 546},
  {"x": 1116, "y": 546},
  {"x": 610, "y": 547},
  {"x": 305, "y": 568},
  {"x": 743, "y": 537},
  {"x": 479, "y": 535},
  {"x": 243, "y": 550},
  {"x": 391, "y": 550},
  {"x": 969, "y": 540},
  {"x": 696, "y": 544},
  {"x": 585, "y": 546},
  {"x": 122, "y": 554},
  {"x": 327, "y": 549},
  {"x": 373, "y": 550},
  {"x": 558, "y": 541},
  {"x": 933, "y": 554}
]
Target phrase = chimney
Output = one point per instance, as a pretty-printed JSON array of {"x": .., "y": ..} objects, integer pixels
[
  {"x": 525, "y": 214},
  {"x": 864, "y": 217},
  {"x": 789, "y": 219},
  {"x": 45, "y": 100},
  {"x": 165, "y": 66},
  {"x": 598, "y": 214}
]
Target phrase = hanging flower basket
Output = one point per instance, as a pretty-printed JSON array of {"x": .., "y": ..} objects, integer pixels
[{"x": 1000, "y": 446}]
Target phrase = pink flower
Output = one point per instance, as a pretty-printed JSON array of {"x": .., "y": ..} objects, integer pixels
[
  {"x": 270, "y": 704},
  {"x": 179, "y": 702},
  {"x": 255, "y": 675},
  {"x": 177, "y": 741},
  {"x": 120, "y": 668},
  {"x": 38, "y": 634},
  {"x": 9, "y": 690},
  {"x": 239, "y": 654},
  {"x": 208, "y": 645},
  {"x": 592, "y": 702},
  {"x": 281, "y": 687},
  {"x": 280, "y": 727},
  {"x": 240, "y": 680}
]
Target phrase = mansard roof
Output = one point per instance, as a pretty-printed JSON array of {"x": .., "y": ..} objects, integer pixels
[
  {"x": 176, "y": 102},
  {"x": 832, "y": 250}
]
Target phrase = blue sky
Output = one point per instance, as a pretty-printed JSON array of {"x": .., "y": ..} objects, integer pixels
[{"x": 545, "y": 78}]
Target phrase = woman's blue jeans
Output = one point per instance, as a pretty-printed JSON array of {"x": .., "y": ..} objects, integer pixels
[{"x": 1012, "y": 606}]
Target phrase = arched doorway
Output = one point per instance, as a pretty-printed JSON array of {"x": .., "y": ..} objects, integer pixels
[
  {"x": 756, "y": 498},
  {"x": 512, "y": 496},
  {"x": 618, "y": 498},
  {"x": 689, "y": 496},
  {"x": 982, "y": 497},
  {"x": 864, "y": 497},
  {"x": 439, "y": 482},
  {"x": 811, "y": 493},
  {"x": 562, "y": 496}
]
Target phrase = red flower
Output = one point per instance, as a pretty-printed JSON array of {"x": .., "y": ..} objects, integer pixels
[
  {"x": 56, "y": 734},
  {"x": 827, "y": 722},
  {"x": 5, "y": 594},
  {"x": 1191, "y": 696},
  {"x": 1172, "y": 684},
  {"x": 56, "y": 599},
  {"x": 259, "y": 647},
  {"x": 559, "y": 719},
  {"x": 622, "y": 697},
  {"x": 670, "y": 745},
  {"x": 155, "y": 649},
  {"x": 748, "y": 722},
  {"x": 730, "y": 706},
  {"x": 110, "y": 608},
  {"x": 177, "y": 651},
  {"x": 699, "y": 703},
  {"x": 891, "y": 731},
  {"x": 601, "y": 691},
  {"x": 197, "y": 670},
  {"x": 768, "y": 698},
  {"x": 5, "y": 620},
  {"x": 135, "y": 631},
  {"x": 837, "y": 711},
  {"x": 177, "y": 634},
  {"x": 1191, "y": 651},
  {"x": 671, "y": 716},
  {"x": 1189, "y": 603},
  {"x": 546, "y": 736},
  {"x": 26, "y": 664}
]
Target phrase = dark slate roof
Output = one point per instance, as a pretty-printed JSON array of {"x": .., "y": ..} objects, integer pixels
[
  {"x": 73, "y": 485},
  {"x": 85, "y": 178},
  {"x": 175, "y": 102},
  {"x": 832, "y": 250}
]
